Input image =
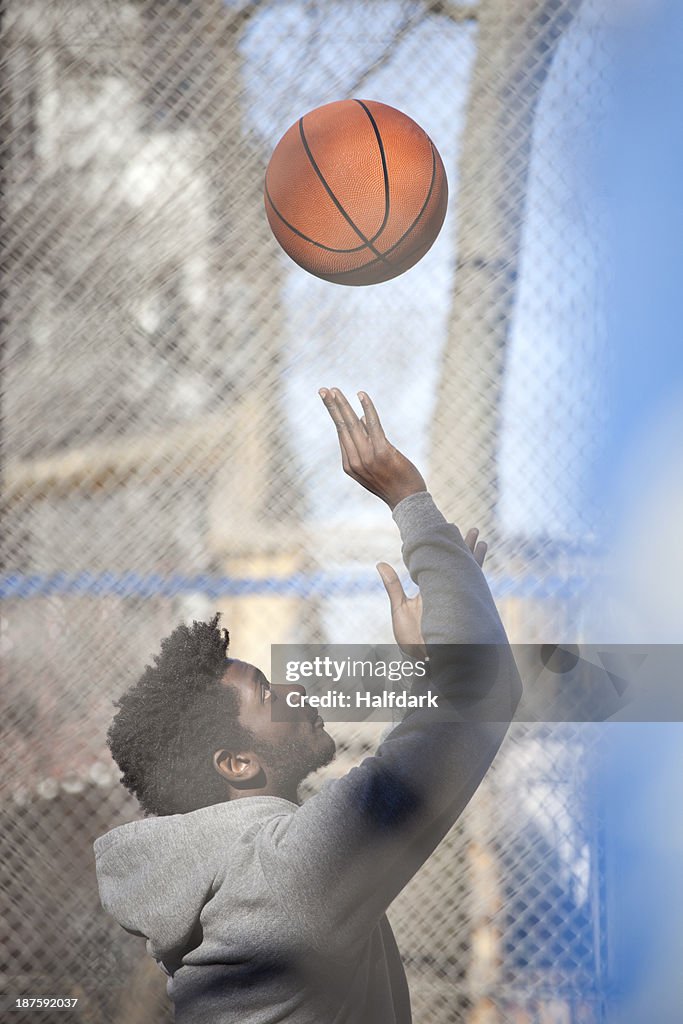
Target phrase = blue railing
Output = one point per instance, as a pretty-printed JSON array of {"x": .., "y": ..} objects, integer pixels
[{"x": 315, "y": 584}]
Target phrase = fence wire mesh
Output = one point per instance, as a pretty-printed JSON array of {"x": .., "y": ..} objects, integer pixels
[{"x": 164, "y": 455}]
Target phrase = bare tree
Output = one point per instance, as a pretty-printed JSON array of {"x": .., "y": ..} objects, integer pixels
[{"x": 516, "y": 45}]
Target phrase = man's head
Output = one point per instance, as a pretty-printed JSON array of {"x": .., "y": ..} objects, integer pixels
[{"x": 196, "y": 729}]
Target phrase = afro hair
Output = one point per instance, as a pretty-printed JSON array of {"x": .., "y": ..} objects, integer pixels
[{"x": 170, "y": 723}]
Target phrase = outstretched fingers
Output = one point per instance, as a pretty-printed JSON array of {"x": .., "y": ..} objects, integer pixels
[
  {"x": 392, "y": 584},
  {"x": 477, "y": 547},
  {"x": 471, "y": 538},
  {"x": 348, "y": 449},
  {"x": 351, "y": 421},
  {"x": 480, "y": 552},
  {"x": 367, "y": 456},
  {"x": 372, "y": 421}
]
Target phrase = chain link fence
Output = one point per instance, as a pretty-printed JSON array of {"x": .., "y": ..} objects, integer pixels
[{"x": 165, "y": 455}]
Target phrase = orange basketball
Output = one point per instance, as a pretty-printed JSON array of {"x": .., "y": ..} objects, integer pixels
[{"x": 355, "y": 192}]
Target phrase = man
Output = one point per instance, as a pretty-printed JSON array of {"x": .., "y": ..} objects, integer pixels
[{"x": 261, "y": 910}]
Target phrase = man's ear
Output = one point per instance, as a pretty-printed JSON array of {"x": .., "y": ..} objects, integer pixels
[{"x": 236, "y": 768}]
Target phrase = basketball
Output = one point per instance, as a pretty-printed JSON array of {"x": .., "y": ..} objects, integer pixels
[{"x": 355, "y": 192}]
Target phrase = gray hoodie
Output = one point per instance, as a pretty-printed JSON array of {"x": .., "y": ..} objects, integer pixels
[{"x": 261, "y": 911}]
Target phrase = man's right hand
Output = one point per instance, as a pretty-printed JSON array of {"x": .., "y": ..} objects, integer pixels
[{"x": 367, "y": 456}]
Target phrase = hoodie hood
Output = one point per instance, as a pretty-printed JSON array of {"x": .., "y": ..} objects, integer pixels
[{"x": 157, "y": 876}]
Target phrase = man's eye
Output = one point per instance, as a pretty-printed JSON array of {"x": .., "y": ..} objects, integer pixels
[{"x": 266, "y": 694}]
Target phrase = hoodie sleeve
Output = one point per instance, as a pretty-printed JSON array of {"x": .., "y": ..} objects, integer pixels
[{"x": 342, "y": 857}]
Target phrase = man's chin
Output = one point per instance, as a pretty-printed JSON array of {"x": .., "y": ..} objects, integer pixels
[
  {"x": 320, "y": 755},
  {"x": 301, "y": 760},
  {"x": 323, "y": 755},
  {"x": 330, "y": 749}
]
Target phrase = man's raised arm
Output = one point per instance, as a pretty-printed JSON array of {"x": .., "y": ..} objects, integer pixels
[{"x": 351, "y": 848}]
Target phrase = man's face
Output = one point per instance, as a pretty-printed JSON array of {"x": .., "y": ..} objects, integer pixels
[{"x": 290, "y": 749}]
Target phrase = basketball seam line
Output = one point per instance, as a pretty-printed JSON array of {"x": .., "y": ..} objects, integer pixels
[
  {"x": 332, "y": 196},
  {"x": 371, "y": 263},
  {"x": 385, "y": 171},
  {"x": 312, "y": 242}
]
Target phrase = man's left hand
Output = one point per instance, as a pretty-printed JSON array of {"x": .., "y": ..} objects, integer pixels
[{"x": 406, "y": 612}]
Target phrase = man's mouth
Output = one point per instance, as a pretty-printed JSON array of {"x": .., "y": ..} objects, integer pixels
[{"x": 318, "y": 722}]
